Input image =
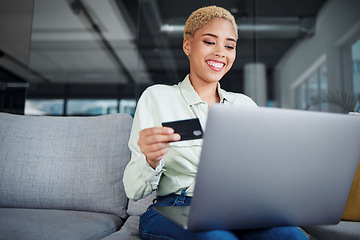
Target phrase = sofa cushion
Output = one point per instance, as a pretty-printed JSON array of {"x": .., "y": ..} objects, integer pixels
[
  {"x": 73, "y": 163},
  {"x": 136, "y": 208},
  {"x": 38, "y": 224},
  {"x": 344, "y": 230},
  {"x": 129, "y": 231}
]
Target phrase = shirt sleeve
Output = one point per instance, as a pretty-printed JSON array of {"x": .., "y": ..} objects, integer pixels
[{"x": 140, "y": 179}]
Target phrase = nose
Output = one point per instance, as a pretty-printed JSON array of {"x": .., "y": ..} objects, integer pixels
[{"x": 219, "y": 52}]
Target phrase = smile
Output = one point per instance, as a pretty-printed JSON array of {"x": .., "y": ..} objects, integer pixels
[{"x": 217, "y": 66}]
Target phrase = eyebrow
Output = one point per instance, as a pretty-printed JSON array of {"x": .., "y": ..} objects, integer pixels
[{"x": 213, "y": 35}]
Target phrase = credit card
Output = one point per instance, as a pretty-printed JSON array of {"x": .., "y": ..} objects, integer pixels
[{"x": 188, "y": 129}]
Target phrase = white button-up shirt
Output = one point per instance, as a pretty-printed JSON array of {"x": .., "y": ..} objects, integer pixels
[{"x": 177, "y": 170}]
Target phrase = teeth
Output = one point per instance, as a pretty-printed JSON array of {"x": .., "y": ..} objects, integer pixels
[{"x": 215, "y": 64}]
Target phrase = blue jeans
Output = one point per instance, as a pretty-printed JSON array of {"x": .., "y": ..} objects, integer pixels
[{"x": 155, "y": 226}]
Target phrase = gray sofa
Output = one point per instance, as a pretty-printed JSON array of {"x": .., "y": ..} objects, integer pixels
[{"x": 61, "y": 178}]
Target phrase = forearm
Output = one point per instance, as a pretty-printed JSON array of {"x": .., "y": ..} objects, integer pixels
[{"x": 140, "y": 179}]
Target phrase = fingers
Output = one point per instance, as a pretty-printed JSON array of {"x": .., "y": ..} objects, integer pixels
[
  {"x": 156, "y": 156},
  {"x": 151, "y": 150},
  {"x": 159, "y": 134},
  {"x": 154, "y": 143}
]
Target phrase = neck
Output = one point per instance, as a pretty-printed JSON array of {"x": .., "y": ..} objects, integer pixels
[{"x": 207, "y": 91}]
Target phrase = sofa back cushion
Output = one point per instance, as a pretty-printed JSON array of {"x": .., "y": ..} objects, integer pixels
[
  {"x": 72, "y": 163},
  {"x": 137, "y": 208}
]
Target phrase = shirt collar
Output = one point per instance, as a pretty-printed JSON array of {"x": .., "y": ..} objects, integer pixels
[
  {"x": 191, "y": 97},
  {"x": 224, "y": 95}
]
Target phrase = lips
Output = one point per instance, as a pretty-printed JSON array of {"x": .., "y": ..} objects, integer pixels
[{"x": 215, "y": 65}]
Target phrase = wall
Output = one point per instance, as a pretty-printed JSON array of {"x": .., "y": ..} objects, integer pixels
[
  {"x": 336, "y": 20},
  {"x": 15, "y": 30}
]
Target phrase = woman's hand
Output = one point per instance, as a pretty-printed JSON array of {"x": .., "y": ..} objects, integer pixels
[{"x": 154, "y": 143}]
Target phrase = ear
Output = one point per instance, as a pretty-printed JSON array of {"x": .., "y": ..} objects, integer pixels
[{"x": 186, "y": 46}]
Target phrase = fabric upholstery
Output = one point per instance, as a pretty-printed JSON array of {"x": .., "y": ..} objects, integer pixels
[
  {"x": 46, "y": 224},
  {"x": 136, "y": 208},
  {"x": 73, "y": 163},
  {"x": 129, "y": 231},
  {"x": 344, "y": 230}
]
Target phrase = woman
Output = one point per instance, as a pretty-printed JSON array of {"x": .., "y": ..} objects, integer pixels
[{"x": 159, "y": 160}]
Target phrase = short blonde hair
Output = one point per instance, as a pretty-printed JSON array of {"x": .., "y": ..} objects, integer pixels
[{"x": 202, "y": 16}]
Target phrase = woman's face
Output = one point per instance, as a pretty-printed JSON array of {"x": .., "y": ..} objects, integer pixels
[{"x": 212, "y": 50}]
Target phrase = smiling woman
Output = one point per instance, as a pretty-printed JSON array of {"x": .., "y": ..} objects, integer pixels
[
  {"x": 159, "y": 161},
  {"x": 211, "y": 52}
]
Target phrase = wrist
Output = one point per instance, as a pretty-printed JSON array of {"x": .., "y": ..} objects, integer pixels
[{"x": 153, "y": 163}]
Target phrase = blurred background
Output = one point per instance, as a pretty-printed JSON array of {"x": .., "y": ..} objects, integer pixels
[{"x": 92, "y": 57}]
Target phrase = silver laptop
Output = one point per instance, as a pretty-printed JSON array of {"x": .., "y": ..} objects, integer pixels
[{"x": 269, "y": 167}]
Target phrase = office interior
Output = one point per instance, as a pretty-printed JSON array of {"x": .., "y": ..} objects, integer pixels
[{"x": 91, "y": 57}]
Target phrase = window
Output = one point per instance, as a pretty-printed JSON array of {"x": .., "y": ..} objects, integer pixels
[
  {"x": 53, "y": 107},
  {"x": 127, "y": 106},
  {"x": 311, "y": 89},
  {"x": 355, "y": 56},
  {"x": 79, "y": 107},
  {"x": 82, "y": 107}
]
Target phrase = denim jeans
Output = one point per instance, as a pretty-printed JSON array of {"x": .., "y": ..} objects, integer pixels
[{"x": 155, "y": 226}]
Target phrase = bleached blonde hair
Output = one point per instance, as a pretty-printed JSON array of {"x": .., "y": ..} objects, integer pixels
[{"x": 202, "y": 16}]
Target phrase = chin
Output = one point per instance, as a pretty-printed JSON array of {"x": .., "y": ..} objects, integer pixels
[
  {"x": 213, "y": 79},
  {"x": 216, "y": 76}
]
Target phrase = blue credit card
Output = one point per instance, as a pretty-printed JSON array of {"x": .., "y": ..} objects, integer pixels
[{"x": 188, "y": 129}]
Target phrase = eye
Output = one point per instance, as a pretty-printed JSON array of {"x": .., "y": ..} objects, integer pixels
[
  {"x": 208, "y": 42},
  {"x": 229, "y": 47}
]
